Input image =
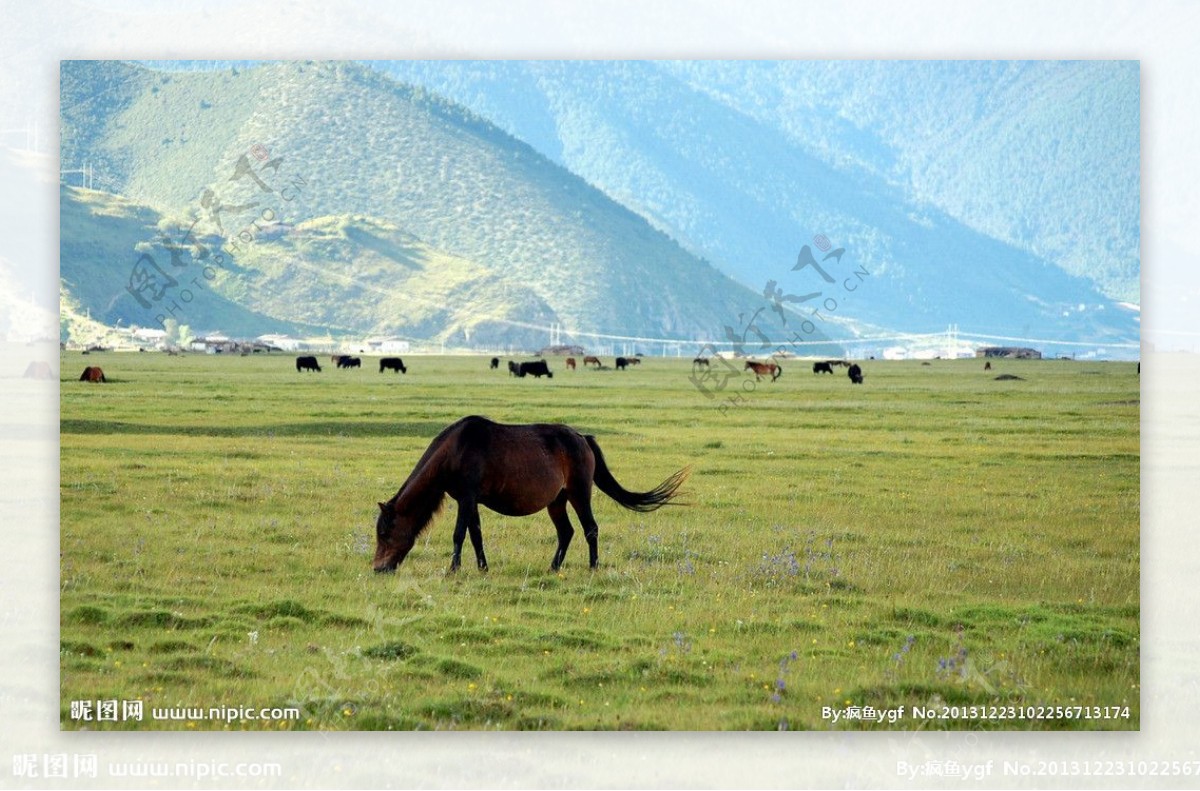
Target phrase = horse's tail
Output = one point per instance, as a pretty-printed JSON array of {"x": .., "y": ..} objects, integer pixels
[
  {"x": 634, "y": 501},
  {"x": 778, "y": 372}
]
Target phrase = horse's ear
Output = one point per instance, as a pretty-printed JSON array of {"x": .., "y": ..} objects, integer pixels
[{"x": 382, "y": 506}]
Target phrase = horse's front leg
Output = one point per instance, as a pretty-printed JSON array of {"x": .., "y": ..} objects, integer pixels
[
  {"x": 477, "y": 538},
  {"x": 468, "y": 522}
]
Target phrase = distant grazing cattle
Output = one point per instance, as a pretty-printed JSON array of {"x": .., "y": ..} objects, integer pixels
[
  {"x": 571, "y": 363},
  {"x": 513, "y": 368},
  {"x": 589, "y": 359},
  {"x": 1009, "y": 378},
  {"x": 495, "y": 363},
  {"x": 621, "y": 363},
  {"x": 538, "y": 369},
  {"x": 92, "y": 374},
  {"x": 855, "y": 373},
  {"x": 822, "y": 368},
  {"x": 764, "y": 369},
  {"x": 335, "y": 359},
  {"x": 987, "y": 366},
  {"x": 700, "y": 362},
  {"x": 39, "y": 370},
  {"x": 634, "y": 360},
  {"x": 347, "y": 361},
  {"x": 393, "y": 363},
  {"x": 307, "y": 364}
]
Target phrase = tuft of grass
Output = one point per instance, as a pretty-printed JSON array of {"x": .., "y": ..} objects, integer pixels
[{"x": 390, "y": 650}]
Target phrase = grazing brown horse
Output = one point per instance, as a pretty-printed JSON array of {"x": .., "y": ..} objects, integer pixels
[
  {"x": 571, "y": 363},
  {"x": 92, "y": 374},
  {"x": 515, "y": 470},
  {"x": 589, "y": 359},
  {"x": 764, "y": 369}
]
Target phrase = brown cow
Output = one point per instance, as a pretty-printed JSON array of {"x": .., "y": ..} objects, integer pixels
[
  {"x": 92, "y": 374},
  {"x": 571, "y": 363}
]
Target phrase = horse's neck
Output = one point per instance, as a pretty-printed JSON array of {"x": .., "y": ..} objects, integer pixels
[{"x": 424, "y": 489}]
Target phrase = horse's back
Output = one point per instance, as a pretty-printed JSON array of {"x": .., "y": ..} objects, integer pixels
[{"x": 515, "y": 469}]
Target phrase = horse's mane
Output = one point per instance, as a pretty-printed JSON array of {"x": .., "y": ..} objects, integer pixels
[{"x": 422, "y": 492}]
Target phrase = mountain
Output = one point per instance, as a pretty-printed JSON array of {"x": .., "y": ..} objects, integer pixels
[
  {"x": 102, "y": 240},
  {"x": 1001, "y": 196},
  {"x": 342, "y": 199}
]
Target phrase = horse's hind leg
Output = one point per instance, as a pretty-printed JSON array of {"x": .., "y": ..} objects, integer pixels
[
  {"x": 591, "y": 531},
  {"x": 562, "y": 523}
]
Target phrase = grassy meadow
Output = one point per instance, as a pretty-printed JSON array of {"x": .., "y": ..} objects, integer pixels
[{"x": 932, "y": 537}]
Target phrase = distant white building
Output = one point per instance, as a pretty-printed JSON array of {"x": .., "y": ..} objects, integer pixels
[
  {"x": 388, "y": 345},
  {"x": 149, "y": 335},
  {"x": 285, "y": 342},
  {"x": 215, "y": 342}
]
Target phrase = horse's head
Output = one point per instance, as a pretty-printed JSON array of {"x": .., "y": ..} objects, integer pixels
[{"x": 395, "y": 535}]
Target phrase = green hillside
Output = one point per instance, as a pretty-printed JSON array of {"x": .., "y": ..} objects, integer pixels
[
  {"x": 404, "y": 213},
  {"x": 380, "y": 278},
  {"x": 102, "y": 239}
]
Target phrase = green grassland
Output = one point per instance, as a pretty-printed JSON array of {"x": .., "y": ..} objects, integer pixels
[{"x": 931, "y": 537}]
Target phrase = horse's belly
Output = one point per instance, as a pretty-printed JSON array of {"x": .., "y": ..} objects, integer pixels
[
  {"x": 509, "y": 508},
  {"x": 524, "y": 500}
]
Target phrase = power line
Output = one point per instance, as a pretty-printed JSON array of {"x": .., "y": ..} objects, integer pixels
[{"x": 1115, "y": 345}]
